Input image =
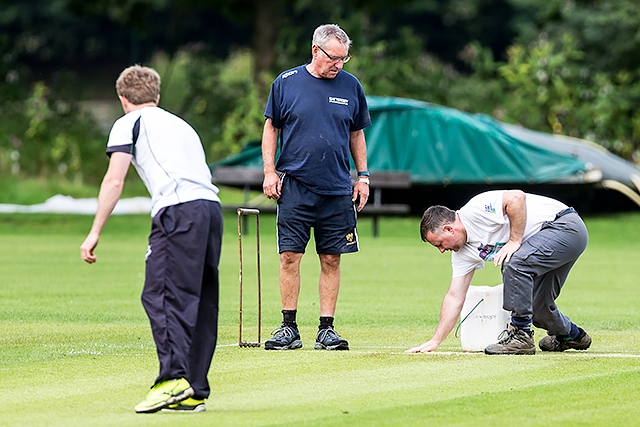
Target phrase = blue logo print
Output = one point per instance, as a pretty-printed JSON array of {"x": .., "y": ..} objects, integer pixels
[{"x": 490, "y": 209}]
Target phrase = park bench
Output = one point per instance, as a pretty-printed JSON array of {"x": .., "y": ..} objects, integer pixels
[{"x": 250, "y": 178}]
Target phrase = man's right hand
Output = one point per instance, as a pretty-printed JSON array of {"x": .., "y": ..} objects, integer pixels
[
  {"x": 427, "y": 347},
  {"x": 272, "y": 185},
  {"x": 87, "y": 248}
]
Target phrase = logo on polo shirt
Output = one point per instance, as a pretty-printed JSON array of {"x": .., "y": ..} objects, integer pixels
[
  {"x": 489, "y": 209},
  {"x": 340, "y": 101}
]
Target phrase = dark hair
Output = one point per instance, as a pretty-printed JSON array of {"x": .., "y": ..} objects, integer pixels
[{"x": 434, "y": 218}]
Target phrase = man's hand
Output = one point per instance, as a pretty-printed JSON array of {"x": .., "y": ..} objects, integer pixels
[
  {"x": 87, "y": 248},
  {"x": 360, "y": 193},
  {"x": 427, "y": 347},
  {"x": 504, "y": 254},
  {"x": 272, "y": 186}
]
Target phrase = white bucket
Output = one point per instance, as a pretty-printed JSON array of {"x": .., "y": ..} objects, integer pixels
[{"x": 482, "y": 317}]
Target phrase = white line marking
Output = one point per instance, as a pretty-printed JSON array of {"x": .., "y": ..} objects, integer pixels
[{"x": 362, "y": 350}]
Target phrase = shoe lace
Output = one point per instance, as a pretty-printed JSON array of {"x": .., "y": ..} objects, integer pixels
[
  {"x": 322, "y": 334},
  {"x": 506, "y": 336},
  {"x": 283, "y": 331}
]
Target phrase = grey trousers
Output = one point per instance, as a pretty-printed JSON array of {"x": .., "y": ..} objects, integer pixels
[{"x": 536, "y": 272}]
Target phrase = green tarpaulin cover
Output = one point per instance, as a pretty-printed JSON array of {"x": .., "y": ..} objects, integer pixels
[
  {"x": 439, "y": 145},
  {"x": 443, "y": 145}
]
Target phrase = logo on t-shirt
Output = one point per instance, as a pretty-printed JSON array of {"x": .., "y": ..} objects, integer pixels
[
  {"x": 488, "y": 252},
  {"x": 336, "y": 100},
  {"x": 489, "y": 208},
  {"x": 289, "y": 73}
]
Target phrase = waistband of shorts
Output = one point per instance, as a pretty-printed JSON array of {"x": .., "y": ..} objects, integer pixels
[{"x": 564, "y": 212}]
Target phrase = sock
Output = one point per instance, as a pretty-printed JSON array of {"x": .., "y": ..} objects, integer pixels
[
  {"x": 574, "y": 332},
  {"x": 521, "y": 323},
  {"x": 289, "y": 317},
  {"x": 325, "y": 322}
]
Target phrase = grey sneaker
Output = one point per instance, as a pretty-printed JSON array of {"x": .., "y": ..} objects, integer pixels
[
  {"x": 286, "y": 337},
  {"x": 512, "y": 341},
  {"x": 562, "y": 343},
  {"x": 329, "y": 339}
]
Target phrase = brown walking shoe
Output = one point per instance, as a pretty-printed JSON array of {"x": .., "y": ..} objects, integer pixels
[
  {"x": 513, "y": 341},
  {"x": 562, "y": 343}
]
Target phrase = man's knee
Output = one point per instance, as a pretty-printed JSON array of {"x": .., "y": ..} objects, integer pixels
[
  {"x": 290, "y": 259},
  {"x": 331, "y": 261}
]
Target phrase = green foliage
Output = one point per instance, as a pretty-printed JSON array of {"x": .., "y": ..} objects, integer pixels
[
  {"x": 550, "y": 88},
  {"x": 220, "y": 99},
  {"x": 605, "y": 30},
  {"x": 570, "y": 67},
  {"x": 49, "y": 136},
  {"x": 401, "y": 68}
]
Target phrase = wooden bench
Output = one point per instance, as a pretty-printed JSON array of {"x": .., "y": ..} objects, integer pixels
[
  {"x": 250, "y": 178},
  {"x": 384, "y": 180}
]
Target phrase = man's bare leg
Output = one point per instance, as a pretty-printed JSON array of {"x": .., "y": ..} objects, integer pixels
[
  {"x": 287, "y": 336},
  {"x": 329, "y": 285}
]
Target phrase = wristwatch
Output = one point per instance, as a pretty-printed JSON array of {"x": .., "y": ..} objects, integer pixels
[{"x": 364, "y": 179}]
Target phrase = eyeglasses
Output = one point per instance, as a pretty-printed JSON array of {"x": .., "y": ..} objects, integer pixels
[{"x": 335, "y": 58}]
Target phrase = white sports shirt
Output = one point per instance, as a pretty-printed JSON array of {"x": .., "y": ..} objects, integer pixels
[
  {"x": 488, "y": 227},
  {"x": 168, "y": 155}
]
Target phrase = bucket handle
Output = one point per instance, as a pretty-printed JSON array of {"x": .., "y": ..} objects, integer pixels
[{"x": 456, "y": 333}]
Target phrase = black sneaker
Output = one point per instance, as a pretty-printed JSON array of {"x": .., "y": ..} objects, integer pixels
[
  {"x": 286, "y": 337},
  {"x": 562, "y": 343},
  {"x": 513, "y": 341},
  {"x": 329, "y": 339}
]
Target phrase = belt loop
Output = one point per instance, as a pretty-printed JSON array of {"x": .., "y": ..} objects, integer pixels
[{"x": 564, "y": 212}]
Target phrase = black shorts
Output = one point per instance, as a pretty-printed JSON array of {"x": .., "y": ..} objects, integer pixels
[{"x": 333, "y": 219}]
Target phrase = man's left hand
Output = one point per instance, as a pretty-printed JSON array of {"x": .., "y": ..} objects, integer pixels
[{"x": 360, "y": 193}]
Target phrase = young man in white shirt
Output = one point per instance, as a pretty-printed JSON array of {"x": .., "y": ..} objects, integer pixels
[{"x": 180, "y": 294}]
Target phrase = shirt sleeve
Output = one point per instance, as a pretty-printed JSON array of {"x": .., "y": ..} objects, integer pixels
[
  {"x": 123, "y": 132},
  {"x": 363, "y": 118},
  {"x": 120, "y": 149},
  {"x": 463, "y": 262},
  {"x": 272, "y": 110}
]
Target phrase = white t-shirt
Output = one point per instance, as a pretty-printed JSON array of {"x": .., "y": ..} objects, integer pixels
[
  {"x": 488, "y": 227},
  {"x": 167, "y": 154}
]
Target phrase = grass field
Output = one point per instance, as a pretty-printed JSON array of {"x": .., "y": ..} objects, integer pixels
[{"x": 76, "y": 348}]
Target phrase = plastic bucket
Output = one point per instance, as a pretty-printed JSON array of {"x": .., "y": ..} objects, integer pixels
[{"x": 482, "y": 317}]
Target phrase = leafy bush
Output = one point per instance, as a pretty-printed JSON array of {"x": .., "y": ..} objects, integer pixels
[
  {"x": 220, "y": 99},
  {"x": 48, "y": 136},
  {"x": 550, "y": 88}
]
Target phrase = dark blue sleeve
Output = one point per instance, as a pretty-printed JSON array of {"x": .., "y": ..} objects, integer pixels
[
  {"x": 120, "y": 149},
  {"x": 272, "y": 109},
  {"x": 362, "y": 118}
]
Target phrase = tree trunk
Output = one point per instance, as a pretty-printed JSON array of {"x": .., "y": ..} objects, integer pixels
[{"x": 264, "y": 41}]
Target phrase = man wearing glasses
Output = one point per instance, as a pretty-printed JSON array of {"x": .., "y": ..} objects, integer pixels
[{"x": 318, "y": 111}]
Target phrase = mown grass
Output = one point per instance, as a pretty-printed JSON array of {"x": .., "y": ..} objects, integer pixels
[{"x": 76, "y": 350}]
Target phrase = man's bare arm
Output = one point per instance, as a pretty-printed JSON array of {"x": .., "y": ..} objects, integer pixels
[{"x": 449, "y": 313}]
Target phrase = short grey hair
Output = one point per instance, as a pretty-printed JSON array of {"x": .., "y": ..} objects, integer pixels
[
  {"x": 324, "y": 33},
  {"x": 434, "y": 219}
]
